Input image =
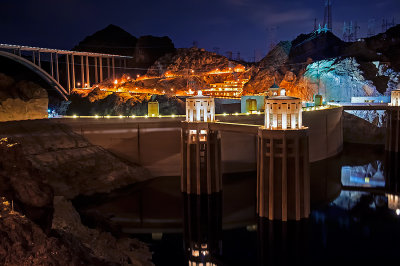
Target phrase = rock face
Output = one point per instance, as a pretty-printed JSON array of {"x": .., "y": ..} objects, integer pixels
[
  {"x": 322, "y": 63},
  {"x": 31, "y": 233},
  {"x": 99, "y": 102},
  {"x": 186, "y": 59},
  {"x": 22, "y": 242},
  {"x": 23, "y": 184},
  {"x": 69, "y": 163},
  {"x": 21, "y": 100}
]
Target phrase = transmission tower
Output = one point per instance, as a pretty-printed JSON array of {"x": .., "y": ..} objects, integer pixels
[
  {"x": 355, "y": 31},
  {"x": 371, "y": 27},
  {"x": 328, "y": 15},
  {"x": 216, "y": 50},
  {"x": 348, "y": 32},
  {"x": 315, "y": 24},
  {"x": 386, "y": 24},
  {"x": 238, "y": 56}
]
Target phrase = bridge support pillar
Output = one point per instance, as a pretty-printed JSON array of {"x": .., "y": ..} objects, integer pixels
[
  {"x": 113, "y": 67},
  {"x": 101, "y": 68},
  {"x": 68, "y": 75},
  {"x": 96, "y": 77},
  {"x": 87, "y": 72},
  {"x": 108, "y": 68},
  {"x": 73, "y": 72},
  {"x": 39, "y": 61},
  {"x": 57, "y": 70},
  {"x": 201, "y": 159},
  {"x": 52, "y": 65},
  {"x": 393, "y": 130},
  {"x": 82, "y": 72},
  {"x": 283, "y": 180}
]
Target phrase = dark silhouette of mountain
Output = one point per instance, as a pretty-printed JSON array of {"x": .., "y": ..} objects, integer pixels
[
  {"x": 315, "y": 46},
  {"x": 111, "y": 40},
  {"x": 145, "y": 50}
]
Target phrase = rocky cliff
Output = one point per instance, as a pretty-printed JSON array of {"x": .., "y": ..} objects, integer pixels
[
  {"x": 32, "y": 235},
  {"x": 21, "y": 100},
  {"x": 322, "y": 63}
]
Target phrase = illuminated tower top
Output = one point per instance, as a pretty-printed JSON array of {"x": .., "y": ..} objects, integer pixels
[
  {"x": 283, "y": 112},
  {"x": 395, "y": 98},
  {"x": 200, "y": 108}
]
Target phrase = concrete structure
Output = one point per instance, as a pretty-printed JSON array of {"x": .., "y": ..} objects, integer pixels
[
  {"x": 153, "y": 109},
  {"x": 200, "y": 108},
  {"x": 283, "y": 179},
  {"x": 245, "y": 103},
  {"x": 318, "y": 100},
  {"x": 395, "y": 98},
  {"x": 378, "y": 99},
  {"x": 393, "y": 123},
  {"x": 155, "y": 142},
  {"x": 283, "y": 112},
  {"x": 200, "y": 148}
]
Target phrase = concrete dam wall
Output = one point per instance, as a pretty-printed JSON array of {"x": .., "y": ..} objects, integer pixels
[{"x": 155, "y": 143}]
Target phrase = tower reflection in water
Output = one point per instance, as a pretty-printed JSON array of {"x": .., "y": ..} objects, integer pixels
[
  {"x": 392, "y": 175},
  {"x": 282, "y": 243},
  {"x": 203, "y": 228}
]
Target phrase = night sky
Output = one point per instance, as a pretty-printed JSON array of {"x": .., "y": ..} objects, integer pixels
[{"x": 245, "y": 26}]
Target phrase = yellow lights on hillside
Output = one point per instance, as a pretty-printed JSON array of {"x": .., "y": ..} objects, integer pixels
[{"x": 116, "y": 81}]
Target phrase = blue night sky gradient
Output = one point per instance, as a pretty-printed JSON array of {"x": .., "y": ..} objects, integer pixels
[{"x": 233, "y": 25}]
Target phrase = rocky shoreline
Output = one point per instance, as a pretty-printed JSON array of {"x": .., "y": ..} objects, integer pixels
[{"x": 38, "y": 223}]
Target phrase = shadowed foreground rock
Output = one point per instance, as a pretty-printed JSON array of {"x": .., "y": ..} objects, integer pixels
[{"x": 31, "y": 235}]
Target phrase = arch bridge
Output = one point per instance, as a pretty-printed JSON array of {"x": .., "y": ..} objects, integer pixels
[{"x": 88, "y": 65}]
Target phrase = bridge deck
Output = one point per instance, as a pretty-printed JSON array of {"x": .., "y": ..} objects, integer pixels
[{"x": 57, "y": 51}]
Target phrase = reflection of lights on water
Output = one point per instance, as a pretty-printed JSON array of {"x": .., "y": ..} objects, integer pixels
[
  {"x": 398, "y": 211},
  {"x": 251, "y": 228}
]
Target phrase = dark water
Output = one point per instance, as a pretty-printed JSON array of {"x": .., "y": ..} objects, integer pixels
[{"x": 355, "y": 218}]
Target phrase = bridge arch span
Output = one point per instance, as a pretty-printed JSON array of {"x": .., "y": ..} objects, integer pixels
[{"x": 37, "y": 70}]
